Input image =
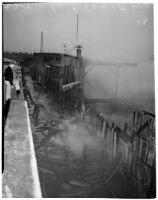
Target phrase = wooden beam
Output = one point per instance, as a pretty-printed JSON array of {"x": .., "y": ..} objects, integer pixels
[
  {"x": 98, "y": 100},
  {"x": 70, "y": 85},
  {"x": 111, "y": 64}
]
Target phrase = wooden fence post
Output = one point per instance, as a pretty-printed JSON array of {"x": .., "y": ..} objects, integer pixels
[
  {"x": 112, "y": 141},
  {"x": 103, "y": 128},
  {"x": 106, "y": 130}
]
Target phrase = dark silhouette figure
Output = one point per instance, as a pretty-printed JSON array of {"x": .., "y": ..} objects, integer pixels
[
  {"x": 36, "y": 111},
  {"x": 8, "y": 75}
]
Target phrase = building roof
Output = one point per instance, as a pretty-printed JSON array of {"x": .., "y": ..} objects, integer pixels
[
  {"x": 6, "y": 60},
  {"x": 55, "y": 54}
]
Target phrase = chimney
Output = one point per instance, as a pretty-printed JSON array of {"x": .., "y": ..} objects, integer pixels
[{"x": 78, "y": 50}]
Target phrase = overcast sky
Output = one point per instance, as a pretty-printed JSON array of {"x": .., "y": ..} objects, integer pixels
[{"x": 106, "y": 31}]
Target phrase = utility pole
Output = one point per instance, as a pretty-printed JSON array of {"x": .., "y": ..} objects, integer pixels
[
  {"x": 118, "y": 72},
  {"x": 41, "y": 45},
  {"x": 76, "y": 31},
  {"x": 117, "y": 81}
]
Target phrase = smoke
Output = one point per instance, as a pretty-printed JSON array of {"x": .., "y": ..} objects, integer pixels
[
  {"x": 135, "y": 82},
  {"x": 76, "y": 137}
]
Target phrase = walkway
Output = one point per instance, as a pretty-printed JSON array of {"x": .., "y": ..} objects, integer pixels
[{"x": 20, "y": 177}]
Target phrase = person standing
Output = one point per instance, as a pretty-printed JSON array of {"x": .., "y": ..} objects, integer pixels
[
  {"x": 36, "y": 111},
  {"x": 8, "y": 74}
]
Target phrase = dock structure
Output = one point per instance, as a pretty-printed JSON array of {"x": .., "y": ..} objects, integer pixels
[
  {"x": 131, "y": 148},
  {"x": 62, "y": 77},
  {"x": 20, "y": 176}
]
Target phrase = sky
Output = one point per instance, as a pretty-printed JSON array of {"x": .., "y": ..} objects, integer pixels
[{"x": 107, "y": 33}]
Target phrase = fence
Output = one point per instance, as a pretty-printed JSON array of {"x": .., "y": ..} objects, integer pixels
[{"x": 136, "y": 148}]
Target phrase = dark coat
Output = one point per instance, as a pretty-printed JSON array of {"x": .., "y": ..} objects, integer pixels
[{"x": 8, "y": 74}]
